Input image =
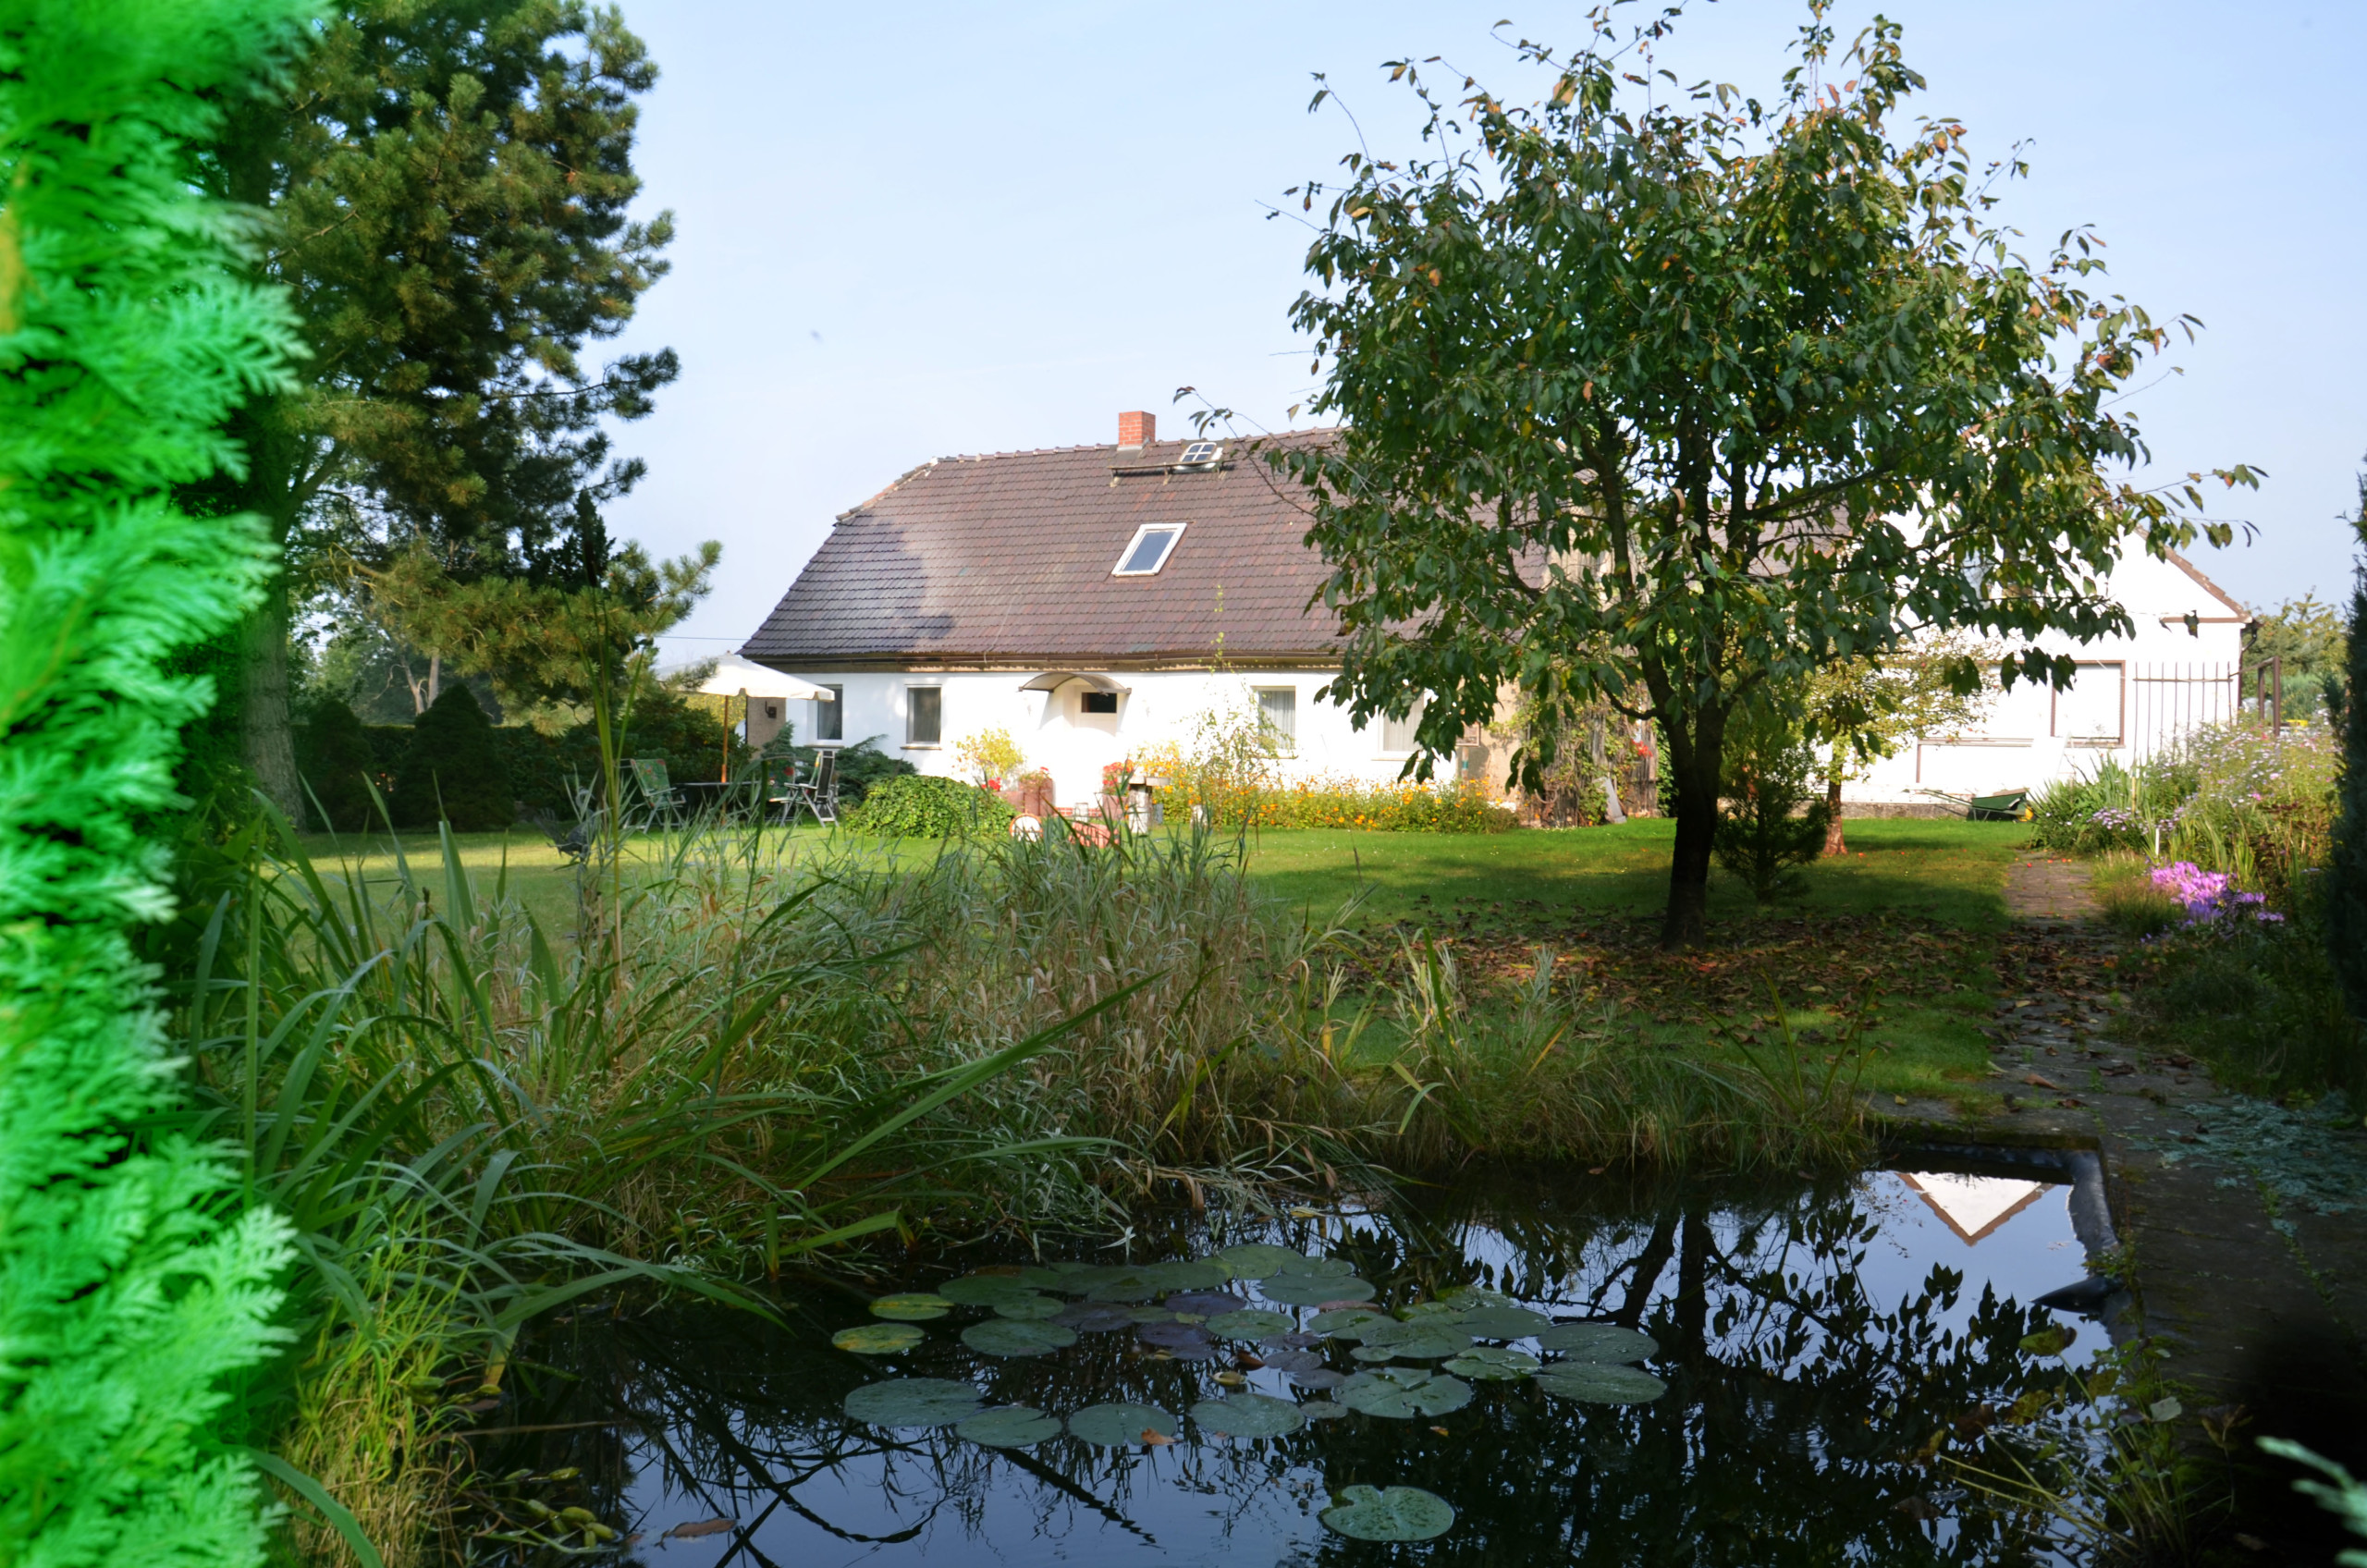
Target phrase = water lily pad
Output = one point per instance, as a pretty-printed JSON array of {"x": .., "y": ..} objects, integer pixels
[
  {"x": 1412, "y": 1329},
  {"x": 1431, "y": 1309},
  {"x": 1396, "y": 1514},
  {"x": 1205, "y": 1303},
  {"x": 1293, "y": 1340},
  {"x": 1130, "y": 1284},
  {"x": 1029, "y": 1308},
  {"x": 1502, "y": 1322},
  {"x": 912, "y": 1306},
  {"x": 1256, "y": 1260},
  {"x": 1003, "y": 1336},
  {"x": 1187, "y": 1274},
  {"x": 984, "y": 1290},
  {"x": 1323, "y": 1410},
  {"x": 1291, "y": 1360},
  {"x": 1596, "y": 1341},
  {"x": 1319, "y": 1377},
  {"x": 1310, "y": 1290},
  {"x": 1248, "y": 1416},
  {"x": 1400, "y": 1393},
  {"x": 1347, "y": 1322},
  {"x": 1120, "y": 1426},
  {"x": 913, "y": 1401},
  {"x": 1424, "y": 1346},
  {"x": 1250, "y": 1325},
  {"x": 1493, "y": 1363},
  {"x": 877, "y": 1339},
  {"x": 1049, "y": 1277},
  {"x": 1094, "y": 1317},
  {"x": 1316, "y": 1267},
  {"x": 1601, "y": 1383},
  {"x": 1174, "y": 1336},
  {"x": 1014, "y": 1426},
  {"x": 1145, "y": 1313}
]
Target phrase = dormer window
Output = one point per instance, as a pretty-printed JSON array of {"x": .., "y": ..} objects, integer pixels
[{"x": 1148, "y": 550}]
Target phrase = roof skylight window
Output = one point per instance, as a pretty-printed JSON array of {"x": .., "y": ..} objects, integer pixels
[
  {"x": 1148, "y": 550},
  {"x": 1200, "y": 454}
]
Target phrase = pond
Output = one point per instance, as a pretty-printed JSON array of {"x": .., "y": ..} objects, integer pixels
[{"x": 1566, "y": 1369}]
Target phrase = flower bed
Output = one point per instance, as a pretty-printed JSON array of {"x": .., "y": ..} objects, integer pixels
[{"x": 1356, "y": 805}]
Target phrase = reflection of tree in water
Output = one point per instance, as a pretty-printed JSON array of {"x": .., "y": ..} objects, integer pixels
[{"x": 1796, "y": 1412}]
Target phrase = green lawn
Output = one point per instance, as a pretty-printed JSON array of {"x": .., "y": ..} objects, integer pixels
[{"x": 1909, "y": 912}]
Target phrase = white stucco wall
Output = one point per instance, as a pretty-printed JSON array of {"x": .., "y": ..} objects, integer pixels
[
  {"x": 2137, "y": 694},
  {"x": 1072, "y": 745}
]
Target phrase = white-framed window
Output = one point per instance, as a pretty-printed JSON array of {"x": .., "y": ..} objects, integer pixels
[
  {"x": 1097, "y": 702},
  {"x": 1278, "y": 714},
  {"x": 1399, "y": 736},
  {"x": 2088, "y": 712},
  {"x": 924, "y": 715},
  {"x": 1147, "y": 551},
  {"x": 830, "y": 715}
]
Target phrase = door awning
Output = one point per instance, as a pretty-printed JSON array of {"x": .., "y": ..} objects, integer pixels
[{"x": 1053, "y": 679}]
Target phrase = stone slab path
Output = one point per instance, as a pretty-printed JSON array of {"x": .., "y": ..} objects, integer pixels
[{"x": 2257, "y": 1293}]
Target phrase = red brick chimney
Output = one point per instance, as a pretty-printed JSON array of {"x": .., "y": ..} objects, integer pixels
[{"x": 1137, "y": 428}]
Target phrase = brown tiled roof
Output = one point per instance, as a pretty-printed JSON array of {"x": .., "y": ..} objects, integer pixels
[{"x": 1006, "y": 560}]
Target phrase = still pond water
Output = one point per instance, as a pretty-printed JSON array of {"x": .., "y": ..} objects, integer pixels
[{"x": 1764, "y": 1365}]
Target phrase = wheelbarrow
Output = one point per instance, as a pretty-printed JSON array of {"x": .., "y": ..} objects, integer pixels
[{"x": 2006, "y": 805}]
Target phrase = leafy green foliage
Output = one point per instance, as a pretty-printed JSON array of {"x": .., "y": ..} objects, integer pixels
[
  {"x": 2308, "y": 640},
  {"x": 337, "y": 764},
  {"x": 925, "y": 806},
  {"x": 1769, "y": 824},
  {"x": 130, "y": 1296},
  {"x": 454, "y": 771},
  {"x": 2346, "y": 875},
  {"x": 1655, "y": 398}
]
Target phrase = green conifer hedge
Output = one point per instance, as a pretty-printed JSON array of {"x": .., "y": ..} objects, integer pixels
[
  {"x": 454, "y": 769},
  {"x": 130, "y": 1292},
  {"x": 337, "y": 764}
]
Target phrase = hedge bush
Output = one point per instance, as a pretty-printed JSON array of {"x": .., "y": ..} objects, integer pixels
[
  {"x": 923, "y": 806},
  {"x": 454, "y": 769},
  {"x": 337, "y": 764}
]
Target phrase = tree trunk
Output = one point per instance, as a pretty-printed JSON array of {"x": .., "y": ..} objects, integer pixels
[
  {"x": 1833, "y": 844},
  {"x": 1695, "y": 763}
]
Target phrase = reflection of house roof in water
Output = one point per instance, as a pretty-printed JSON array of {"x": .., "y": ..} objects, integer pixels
[{"x": 1972, "y": 1206}]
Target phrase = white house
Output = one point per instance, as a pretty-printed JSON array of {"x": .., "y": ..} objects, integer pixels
[
  {"x": 1096, "y": 600},
  {"x": 1091, "y": 600},
  {"x": 2134, "y": 696}
]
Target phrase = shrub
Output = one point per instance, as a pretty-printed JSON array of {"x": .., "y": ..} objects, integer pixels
[
  {"x": 454, "y": 769},
  {"x": 863, "y": 767},
  {"x": 1770, "y": 821},
  {"x": 2346, "y": 875},
  {"x": 334, "y": 755},
  {"x": 925, "y": 806},
  {"x": 2262, "y": 806}
]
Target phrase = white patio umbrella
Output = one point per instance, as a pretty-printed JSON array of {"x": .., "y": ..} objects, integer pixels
[{"x": 736, "y": 676}]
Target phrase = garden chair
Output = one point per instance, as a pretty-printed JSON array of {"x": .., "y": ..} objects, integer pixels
[
  {"x": 819, "y": 792},
  {"x": 777, "y": 795},
  {"x": 658, "y": 796}
]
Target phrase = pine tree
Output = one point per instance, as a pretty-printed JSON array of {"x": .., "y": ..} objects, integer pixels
[
  {"x": 2347, "y": 874},
  {"x": 454, "y": 769},
  {"x": 126, "y": 1297}
]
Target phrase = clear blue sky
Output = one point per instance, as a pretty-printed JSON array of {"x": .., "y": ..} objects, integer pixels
[{"x": 910, "y": 231}]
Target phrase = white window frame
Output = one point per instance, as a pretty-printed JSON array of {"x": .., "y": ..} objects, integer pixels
[
  {"x": 1287, "y": 744},
  {"x": 836, "y": 701},
  {"x": 1413, "y": 721},
  {"x": 1165, "y": 556},
  {"x": 911, "y": 687},
  {"x": 2112, "y": 742}
]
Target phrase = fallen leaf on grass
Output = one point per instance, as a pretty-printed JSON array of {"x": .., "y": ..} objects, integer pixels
[{"x": 2035, "y": 1082}]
